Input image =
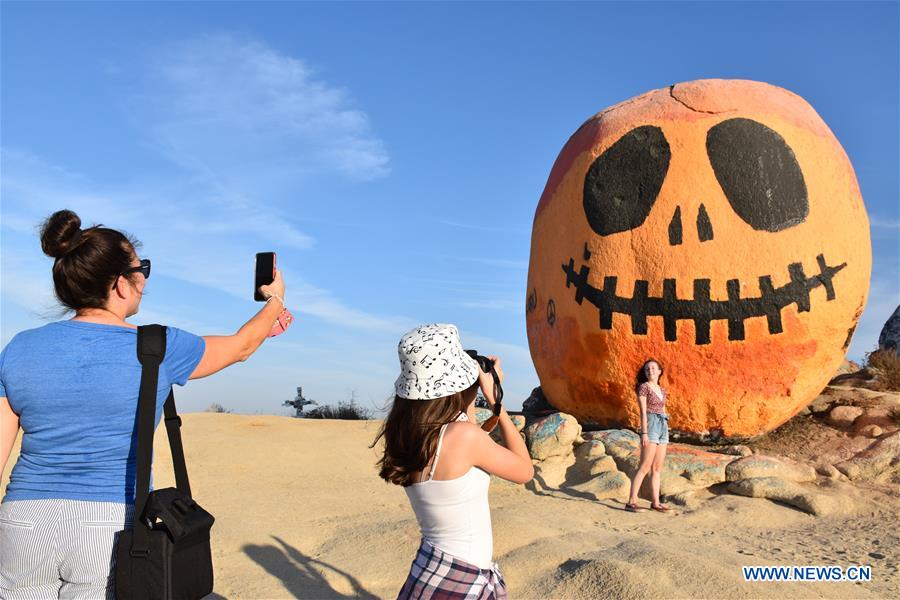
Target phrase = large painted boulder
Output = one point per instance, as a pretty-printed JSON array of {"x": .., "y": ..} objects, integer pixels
[{"x": 715, "y": 226}]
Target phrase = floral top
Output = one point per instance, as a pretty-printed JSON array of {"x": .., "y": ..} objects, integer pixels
[{"x": 655, "y": 403}]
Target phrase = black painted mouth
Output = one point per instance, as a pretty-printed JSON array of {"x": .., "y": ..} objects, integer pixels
[{"x": 702, "y": 310}]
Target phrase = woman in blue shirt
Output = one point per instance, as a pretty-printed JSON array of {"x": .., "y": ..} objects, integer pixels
[{"x": 73, "y": 388}]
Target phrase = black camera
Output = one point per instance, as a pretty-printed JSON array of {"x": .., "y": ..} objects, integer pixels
[{"x": 487, "y": 365}]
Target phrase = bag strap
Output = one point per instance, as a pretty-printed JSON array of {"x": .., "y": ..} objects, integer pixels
[
  {"x": 151, "y": 350},
  {"x": 173, "y": 431}
]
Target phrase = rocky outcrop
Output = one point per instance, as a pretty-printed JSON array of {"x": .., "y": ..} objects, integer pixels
[
  {"x": 537, "y": 405},
  {"x": 805, "y": 498},
  {"x": 847, "y": 367},
  {"x": 882, "y": 417},
  {"x": 844, "y": 416},
  {"x": 482, "y": 415},
  {"x": 590, "y": 449},
  {"x": 878, "y": 462},
  {"x": 586, "y": 468},
  {"x": 553, "y": 435},
  {"x": 552, "y": 472},
  {"x": 758, "y": 465},
  {"x": 821, "y": 404},
  {"x": 608, "y": 484},
  {"x": 889, "y": 338},
  {"x": 602, "y": 465},
  {"x": 736, "y": 450},
  {"x": 696, "y": 467},
  {"x": 518, "y": 421}
]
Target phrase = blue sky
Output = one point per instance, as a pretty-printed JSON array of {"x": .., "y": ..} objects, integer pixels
[{"x": 391, "y": 153}]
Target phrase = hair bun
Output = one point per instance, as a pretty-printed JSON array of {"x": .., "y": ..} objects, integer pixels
[{"x": 60, "y": 232}]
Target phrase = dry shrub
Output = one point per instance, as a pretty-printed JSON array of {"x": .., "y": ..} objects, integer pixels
[
  {"x": 350, "y": 411},
  {"x": 886, "y": 365}
]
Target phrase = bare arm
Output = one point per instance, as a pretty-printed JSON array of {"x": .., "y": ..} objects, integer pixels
[
  {"x": 642, "y": 401},
  {"x": 224, "y": 350},
  {"x": 513, "y": 462},
  {"x": 9, "y": 429},
  {"x": 485, "y": 453}
]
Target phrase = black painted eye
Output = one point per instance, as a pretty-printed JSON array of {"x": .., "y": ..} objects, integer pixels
[
  {"x": 759, "y": 174},
  {"x": 622, "y": 184}
]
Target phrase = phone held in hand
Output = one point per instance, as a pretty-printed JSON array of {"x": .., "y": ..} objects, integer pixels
[{"x": 265, "y": 273}]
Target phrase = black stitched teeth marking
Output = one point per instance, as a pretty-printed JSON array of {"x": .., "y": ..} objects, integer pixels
[{"x": 701, "y": 309}]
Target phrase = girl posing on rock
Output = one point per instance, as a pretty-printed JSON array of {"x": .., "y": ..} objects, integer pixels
[
  {"x": 434, "y": 449},
  {"x": 654, "y": 435},
  {"x": 73, "y": 387}
]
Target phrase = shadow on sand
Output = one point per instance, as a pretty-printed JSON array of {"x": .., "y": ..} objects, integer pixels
[
  {"x": 301, "y": 574},
  {"x": 538, "y": 486}
]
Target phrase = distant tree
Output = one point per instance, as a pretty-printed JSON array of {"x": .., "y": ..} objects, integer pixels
[
  {"x": 299, "y": 403},
  {"x": 215, "y": 407}
]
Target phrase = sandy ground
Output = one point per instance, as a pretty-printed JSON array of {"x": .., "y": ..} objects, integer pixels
[{"x": 300, "y": 512}]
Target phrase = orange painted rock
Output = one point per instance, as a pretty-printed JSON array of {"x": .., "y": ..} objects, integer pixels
[{"x": 715, "y": 226}]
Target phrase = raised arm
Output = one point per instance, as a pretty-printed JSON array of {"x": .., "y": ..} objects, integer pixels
[
  {"x": 225, "y": 350},
  {"x": 9, "y": 429},
  {"x": 513, "y": 462}
]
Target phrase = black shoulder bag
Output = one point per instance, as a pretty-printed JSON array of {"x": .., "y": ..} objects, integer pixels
[{"x": 166, "y": 555}]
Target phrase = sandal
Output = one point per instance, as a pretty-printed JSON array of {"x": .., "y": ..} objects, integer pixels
[
  {"x": 661, "y": 508},
  {"x": 633, "y": 507}
]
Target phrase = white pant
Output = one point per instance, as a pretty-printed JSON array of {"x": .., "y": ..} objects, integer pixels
[{"x": 59, "y": 548}]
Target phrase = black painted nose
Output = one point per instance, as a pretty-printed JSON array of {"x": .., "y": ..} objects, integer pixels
[
  {"x": 675, "y": 228},
  {"x": 704, "y": 226}
]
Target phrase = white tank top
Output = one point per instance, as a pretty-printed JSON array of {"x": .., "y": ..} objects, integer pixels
[{"x": 453, "y": 514}]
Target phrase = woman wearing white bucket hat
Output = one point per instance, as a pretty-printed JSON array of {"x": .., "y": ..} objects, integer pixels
[{"x": 435, "y": 450}]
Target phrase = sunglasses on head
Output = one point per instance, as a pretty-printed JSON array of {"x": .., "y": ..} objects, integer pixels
[{"x": 144, "y": 268}]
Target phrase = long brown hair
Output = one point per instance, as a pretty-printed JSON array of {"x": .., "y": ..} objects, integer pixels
[
  {"x": 411, "y": 432},
  {"x": 642, "y": 373}
]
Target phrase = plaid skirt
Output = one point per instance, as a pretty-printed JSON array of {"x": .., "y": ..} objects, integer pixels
[{"x": 436, "y": 575}]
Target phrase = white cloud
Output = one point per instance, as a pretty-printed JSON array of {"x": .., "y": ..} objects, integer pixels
[
  {"x": 520, "y": 230},
  {"x": 176, "y": 235},
  {"x": 881, "y": 223},
  {"x": 516, "y": 363},
  {"x": 501, "y": 263},
  {"x": 507, "y": 305},
  {"x": 26, "y": 282},
  {"x": 246, "y": 128},
  {"x": 486, "y": 345},
  {"x": 322, "y": 303},
  {"x": 241, "y": 113}
]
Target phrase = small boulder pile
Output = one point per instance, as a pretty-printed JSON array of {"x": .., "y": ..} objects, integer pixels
[
  {"x": 867, "y": 425},
  {"x": 566, "y": 460},
  {"x": 861, "y": 443},
  {"x": 599, "y": 465},
  {"x": 780, "y": 479}
]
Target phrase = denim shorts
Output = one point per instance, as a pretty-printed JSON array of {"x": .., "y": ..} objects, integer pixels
[{"x": 658, "y": 428}]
